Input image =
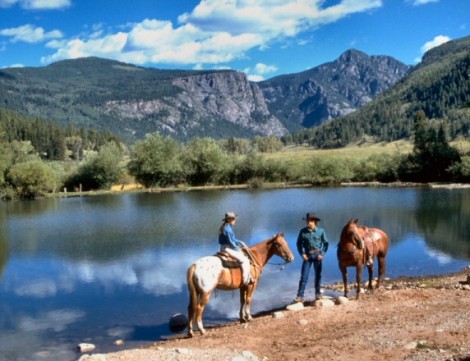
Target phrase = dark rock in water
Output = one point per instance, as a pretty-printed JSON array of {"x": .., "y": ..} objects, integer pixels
[{"x": 178, "y": 322}]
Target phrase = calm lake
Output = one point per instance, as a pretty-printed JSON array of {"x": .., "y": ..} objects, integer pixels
[{"x": 102, "y": 268}]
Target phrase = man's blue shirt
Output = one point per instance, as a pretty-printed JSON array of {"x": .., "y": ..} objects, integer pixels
[{"x": 309, "y": 240}]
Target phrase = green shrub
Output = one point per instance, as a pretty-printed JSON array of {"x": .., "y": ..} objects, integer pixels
[
  {"x": 205, "y": 162},
  {"x": 99, "y": 171},
  {"x": 321, "y": 171},
  {"x": 156, "y": 161},
  {"x": 32, "y": 178},
  {"x": 377, "y": 167}
]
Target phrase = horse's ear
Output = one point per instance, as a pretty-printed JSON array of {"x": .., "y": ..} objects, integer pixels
[{"x": 356, "y": 220}]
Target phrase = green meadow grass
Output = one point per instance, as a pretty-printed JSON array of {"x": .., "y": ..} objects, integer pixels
[{"x": 354, "y": 152}]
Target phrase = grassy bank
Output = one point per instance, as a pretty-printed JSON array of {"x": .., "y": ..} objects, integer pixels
[{"x": 295, "y": 156}]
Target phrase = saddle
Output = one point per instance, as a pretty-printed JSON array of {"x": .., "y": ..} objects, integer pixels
[
  {"x": 369, "y": 238},
  {"x": 228, "y": 261}
]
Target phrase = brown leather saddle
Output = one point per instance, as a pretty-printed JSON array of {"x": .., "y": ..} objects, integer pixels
[
  {"x": 227, "y": 260},
  {"x": 369, "y": 238}
]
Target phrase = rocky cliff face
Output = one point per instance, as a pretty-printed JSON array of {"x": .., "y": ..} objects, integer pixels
[
  {"x": 132, "y": 101},
  {"x": 332, "y": 89},
  {"x": 206, "y": 103},
  {"x": 230, "y": 96}
]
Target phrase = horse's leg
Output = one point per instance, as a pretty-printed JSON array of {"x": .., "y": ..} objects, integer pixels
[
  {"x": 358, "y": 279},
  {"x": 248, "y": 296},
  {"x": 243, "y": 304},
  {"x": 193, "y": 300},
  {"x": 370, "y": 269},
  {"x": 191, "y": 313},
  {"x": 344, "y": 272},
  {"x": 382, "y": 263},
  {"x": 203, "y": 300}
]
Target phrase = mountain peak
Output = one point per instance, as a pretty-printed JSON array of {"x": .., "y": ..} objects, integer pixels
[{"x": 352, "y": 55}]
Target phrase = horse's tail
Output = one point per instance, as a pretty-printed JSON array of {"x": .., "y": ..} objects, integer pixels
[{"x": 193, "y": 296}]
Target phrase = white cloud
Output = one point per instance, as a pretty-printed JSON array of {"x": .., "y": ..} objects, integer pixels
[
  {"x": 270, "y": 18},
  {"x": 37, "y": 4},
  {"x": 438, "y": 40},
  {"x": 14, "y": 66},
  {"x": 214, "y": 32},
  {"x": 265, "y": 69},
  {"x": 30, "y": 34},
  {"x": 109, "y": 46},
  {"x": 421, "y": 2},
  {"x": 258, "y": 72},
  {"x": 255, "y": 77}
]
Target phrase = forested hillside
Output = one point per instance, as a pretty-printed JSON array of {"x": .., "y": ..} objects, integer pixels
[
  {"x": 439, "y": 86},
  {"x": 51, "y": 141}
]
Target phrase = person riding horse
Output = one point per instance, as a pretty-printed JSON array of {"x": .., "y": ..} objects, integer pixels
[{"x": 232, "y": 246}]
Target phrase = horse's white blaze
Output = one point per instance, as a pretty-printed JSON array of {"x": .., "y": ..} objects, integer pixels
[{"x": 207, "y": 270}]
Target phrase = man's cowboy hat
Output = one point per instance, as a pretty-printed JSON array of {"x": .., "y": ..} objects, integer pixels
[
  {"x": 229, "y": 215},
  {"x": 311, "y": 215}
]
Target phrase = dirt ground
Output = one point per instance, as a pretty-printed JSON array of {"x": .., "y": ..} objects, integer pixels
[{"x": 407, "y": 319}]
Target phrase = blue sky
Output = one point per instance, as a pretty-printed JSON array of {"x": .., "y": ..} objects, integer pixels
[{"x": 263, "y": 38}]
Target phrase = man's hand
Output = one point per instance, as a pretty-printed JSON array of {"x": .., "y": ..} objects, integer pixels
[
  {"x": 305, "y": 257},
  {"x": 320, "y": 257}
]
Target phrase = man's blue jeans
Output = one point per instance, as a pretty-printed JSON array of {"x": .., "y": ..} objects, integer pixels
[{"x": 306, "y": 266}]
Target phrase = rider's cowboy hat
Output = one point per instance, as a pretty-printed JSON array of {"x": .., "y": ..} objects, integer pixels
[
  {"x": 311, "y": 215},
  {"x": 229, "y": 215}
]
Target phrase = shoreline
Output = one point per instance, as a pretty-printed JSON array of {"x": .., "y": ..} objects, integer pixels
[
  {"x": 265, "y": 186},
  {"x": 409, "y": 318}
]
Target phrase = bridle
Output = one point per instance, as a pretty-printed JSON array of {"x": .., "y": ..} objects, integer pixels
[
  {"x": 354, "y": 236},
  {"x": 280, "y": 251}
]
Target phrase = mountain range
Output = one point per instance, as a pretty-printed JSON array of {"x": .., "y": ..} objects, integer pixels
[
  {"x": 131, "y": 101},
  {"x": 439, "y": 86}
]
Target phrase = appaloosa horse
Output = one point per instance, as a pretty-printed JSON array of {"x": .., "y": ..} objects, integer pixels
[
  {"x": 208, "y": 273},
  {"x": 357, "y": 243}
]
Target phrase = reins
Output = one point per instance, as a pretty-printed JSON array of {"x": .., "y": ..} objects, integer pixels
[
  {"x": 257, "y": 264},
  {"x": 253, "y": 258},
  {"x": 281, "y": 265}
]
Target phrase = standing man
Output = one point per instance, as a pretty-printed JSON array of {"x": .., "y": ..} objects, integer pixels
[{"x": 312, "y": 244}]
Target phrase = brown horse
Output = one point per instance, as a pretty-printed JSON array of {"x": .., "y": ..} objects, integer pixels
[
  {"x": 207, "y": 274},
  {"x": 352, "y": 248}
]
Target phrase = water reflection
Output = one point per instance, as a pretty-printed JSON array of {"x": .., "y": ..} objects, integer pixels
[
  {"x": 3, "y": 254},
  {"x": 108, "y": 267},
  {"x": 442, "y": 217}
]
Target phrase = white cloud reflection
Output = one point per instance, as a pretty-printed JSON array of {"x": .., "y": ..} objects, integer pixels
[
  {"x": 153, "y": 272},
  {"x": 40, "y": 288},
  {"x": 57, "y": 320},
  {"x": 439, "y": 256}
]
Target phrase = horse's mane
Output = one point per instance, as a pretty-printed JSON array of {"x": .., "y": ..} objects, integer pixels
[
  {"x": 270, "y": 239},
  {"x": 267, "y": 240}
]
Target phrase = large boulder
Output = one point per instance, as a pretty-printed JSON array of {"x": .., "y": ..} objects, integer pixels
[{"x": 178, "y": 322}]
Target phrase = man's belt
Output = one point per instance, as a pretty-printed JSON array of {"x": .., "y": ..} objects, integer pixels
[{"x": 315, "y": 250}]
